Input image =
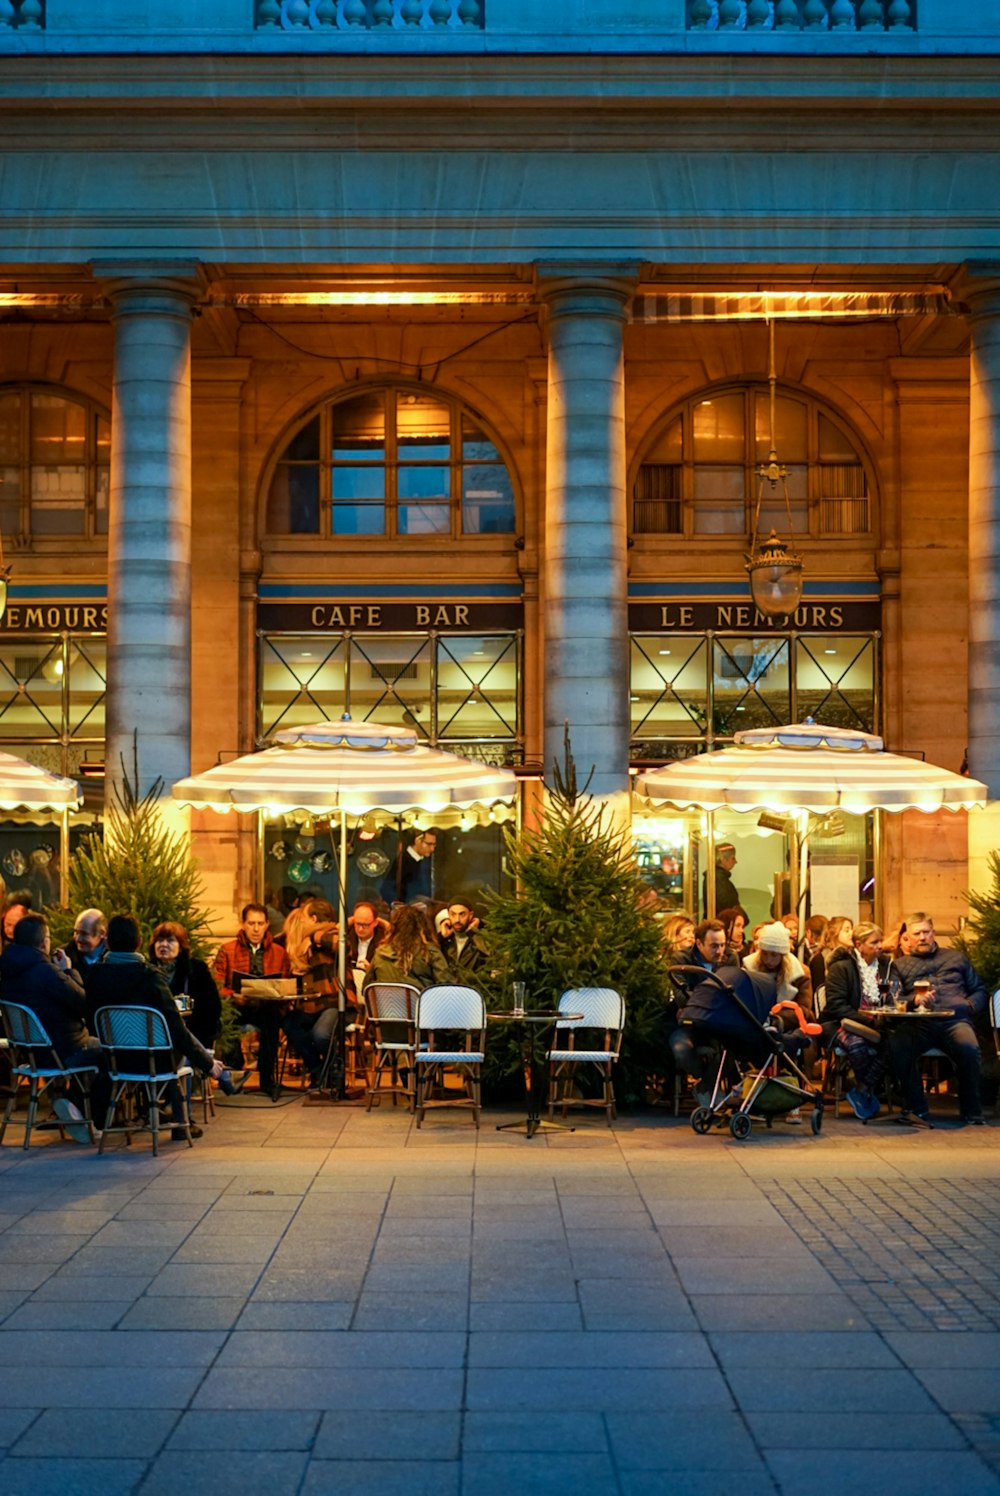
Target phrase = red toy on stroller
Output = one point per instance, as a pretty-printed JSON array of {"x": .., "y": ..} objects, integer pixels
[{"x": 759, "y": 1042}]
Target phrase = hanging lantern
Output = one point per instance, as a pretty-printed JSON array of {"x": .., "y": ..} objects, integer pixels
[{"x": 775, "y": 572}]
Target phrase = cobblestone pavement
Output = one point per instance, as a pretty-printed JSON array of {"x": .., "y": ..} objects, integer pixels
[{"x": 322, "y": 1300}]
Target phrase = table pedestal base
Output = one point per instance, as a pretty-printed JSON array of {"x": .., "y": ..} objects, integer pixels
[{"x": 531, "y": 1125}]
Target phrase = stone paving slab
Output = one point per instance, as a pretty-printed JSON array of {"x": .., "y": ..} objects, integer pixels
[{"x": 322, "y": 1300}]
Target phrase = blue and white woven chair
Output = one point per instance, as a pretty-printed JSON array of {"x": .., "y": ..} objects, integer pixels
[
  {"x": 603, "y": 1020},
  {"x": 33, "y": 1059},
  {"x": 391, "y": 1009},
  {"x": 141, "y": 1064},
  {"x": 450, "y": 1034}
]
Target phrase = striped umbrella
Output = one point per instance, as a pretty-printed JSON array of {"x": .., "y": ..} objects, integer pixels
[
  {"x": 23, "y": 786},
  {"x": 360, "y": 769},
  {"x": 807, "y": 767}
]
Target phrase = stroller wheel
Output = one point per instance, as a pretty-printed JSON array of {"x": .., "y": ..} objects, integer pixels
[
  {"x": 701, "y": 1119},
  {"x": 816, "y": 1120},
  {"x": 740, "y": 1125}
]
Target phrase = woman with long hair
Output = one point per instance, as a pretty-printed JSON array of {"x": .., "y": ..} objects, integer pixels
[
  {"x": 734, "y": 922},
  {"x": 838, "y": 935},
  {"x": 678, "y": 934},
  {"x": 187, "y": 978},
  {"x": 410, "y": 954}
]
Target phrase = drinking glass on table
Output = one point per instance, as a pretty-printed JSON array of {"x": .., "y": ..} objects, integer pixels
[{"x": 518, "y": 990}]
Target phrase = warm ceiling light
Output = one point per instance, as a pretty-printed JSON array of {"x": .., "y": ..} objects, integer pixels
[{"x": 361, "y": 297}]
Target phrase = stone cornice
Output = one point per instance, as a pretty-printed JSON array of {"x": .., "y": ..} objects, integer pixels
[{"x": 51, "y": 81}]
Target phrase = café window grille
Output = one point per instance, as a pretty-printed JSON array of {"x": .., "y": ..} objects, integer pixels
[
  {"x": 55, "y": 455},
  {"x": 454, "y": 690},
  {"x": 698, "y": 476},
  {"x": 394, "y": 462}
]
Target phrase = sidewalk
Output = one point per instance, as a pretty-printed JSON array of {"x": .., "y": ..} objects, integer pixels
[{"x": 321, "y": 1300}]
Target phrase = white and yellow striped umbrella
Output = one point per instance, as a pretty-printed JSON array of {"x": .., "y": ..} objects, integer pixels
[
  {"x": 24, "y": 786},
  {"x": 361, "y": 769},
  {"x": 807, "y": 767}
]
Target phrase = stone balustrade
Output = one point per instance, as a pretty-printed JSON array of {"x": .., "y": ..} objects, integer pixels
[
  {"x": 329, "y": 15},
  {"x": 22, "y": 15},
  {"x": 786, "y": 16}
]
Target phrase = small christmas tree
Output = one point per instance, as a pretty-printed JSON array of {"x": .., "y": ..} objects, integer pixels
[
  {"x": 576, "y": 921},
  {"x": 139, "y": 868},
  {"x": 981, "y": 939}
]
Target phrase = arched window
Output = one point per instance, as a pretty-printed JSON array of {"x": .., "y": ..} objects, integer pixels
[
  {"x": 390, "y": 461},
  {"x": 699, "y": 474},
  {"x": 55, "y": 452}
]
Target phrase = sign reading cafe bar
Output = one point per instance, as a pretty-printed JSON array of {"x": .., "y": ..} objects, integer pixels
[
  {"x": 724, "y": 617},
  {"x": 373, "y": 617}
]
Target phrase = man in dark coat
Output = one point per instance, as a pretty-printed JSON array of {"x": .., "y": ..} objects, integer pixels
[
  {"x": 45, "y": 983},
  {"x": 465, "y": 949},
  {"x": 957, "y": 987},
  {"x": 125, "y": 980},
  {"x": 727, "y": 895},
  {"x": 89, "y": 941}
]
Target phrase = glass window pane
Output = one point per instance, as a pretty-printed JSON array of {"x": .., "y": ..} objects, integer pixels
[
  {"x": 668, "y": 686},
  {"x": 31, "y": 685},
  {"x": 58, "y": 430},
  {"x": 791, "y": 431},
  {"x": 834, "y": 444},
  {"x": 751, "y": 684},
  {"x": 87, "y": 681},
  {"x": 102, "y": 483},
  {"x": 487, "y": 500},
  {"x": 773, "y": 512},
  {"x": 669, "y": 446},
  {"x": 391, "y": 681},
  {"x": 476, "y": 445},
  {"x": 718, "y": 429},
  {"x": 302, "y": 680},
  {"x": 358, "y": 519},
  {"x": 477, "y": 686},
  {"x": 293, "y": 501},
  {"x": 103, "y": 440},
  {"x": 424, "y": 482},
  {"x": 353, "y": 483},
  {"x": 10, "y": 429},
  {"x": 424, "y": 519},
  {"x": 58, "y": 500},
  {"x": 835, "y": 679},
  {"x": 423, "y": 427},
  {"x": 304, "y": 446},
  {"x": 359, "y": 428},
  {"x": 10, "y": 500},
  {"x": 719, "y": 507}
]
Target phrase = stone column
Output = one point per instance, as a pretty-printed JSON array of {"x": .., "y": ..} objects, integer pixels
[
  {"x": 149, "y": 530},
  {"x": 584, "y": 574},
  {"x": 984, "y": 536}
]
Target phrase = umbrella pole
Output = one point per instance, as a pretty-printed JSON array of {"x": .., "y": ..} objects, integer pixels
[{"x": 342, "y": 960}]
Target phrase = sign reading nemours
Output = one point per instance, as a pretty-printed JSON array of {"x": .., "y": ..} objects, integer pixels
[
  {"x": 724, "y": 617},
  {"x": 54, "y": 618}
]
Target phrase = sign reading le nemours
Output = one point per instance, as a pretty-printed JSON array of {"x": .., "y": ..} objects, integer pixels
[{"x": 725, "y": 617}]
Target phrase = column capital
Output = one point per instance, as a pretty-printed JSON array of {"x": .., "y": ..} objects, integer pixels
[
  {"x": 579, "y": 287},
  {"x": 164, "y": 286},
  {"x": 979, "y": 287}
]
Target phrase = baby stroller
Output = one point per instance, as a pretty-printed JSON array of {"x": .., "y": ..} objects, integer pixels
[{"x": 759, "y": 1040}]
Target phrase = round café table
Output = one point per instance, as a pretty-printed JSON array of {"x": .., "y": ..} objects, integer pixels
[{"x": 533, "y": 1023}]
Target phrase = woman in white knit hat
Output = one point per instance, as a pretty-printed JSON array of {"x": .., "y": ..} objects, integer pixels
[{"x": 774, "y": 956}]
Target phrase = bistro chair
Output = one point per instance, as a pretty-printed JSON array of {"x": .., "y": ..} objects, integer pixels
[
  {"x": 603, "y": 1012},
  {"x": 33, "y": 1059},
  {"x": 450, "y": 1034},
  {"x": 141, "y": 1066},
  {"x": 392, "y": 1008}
]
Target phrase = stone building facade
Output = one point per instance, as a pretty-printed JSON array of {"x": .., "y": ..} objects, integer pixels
[{"x": 412, "y": 356}]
